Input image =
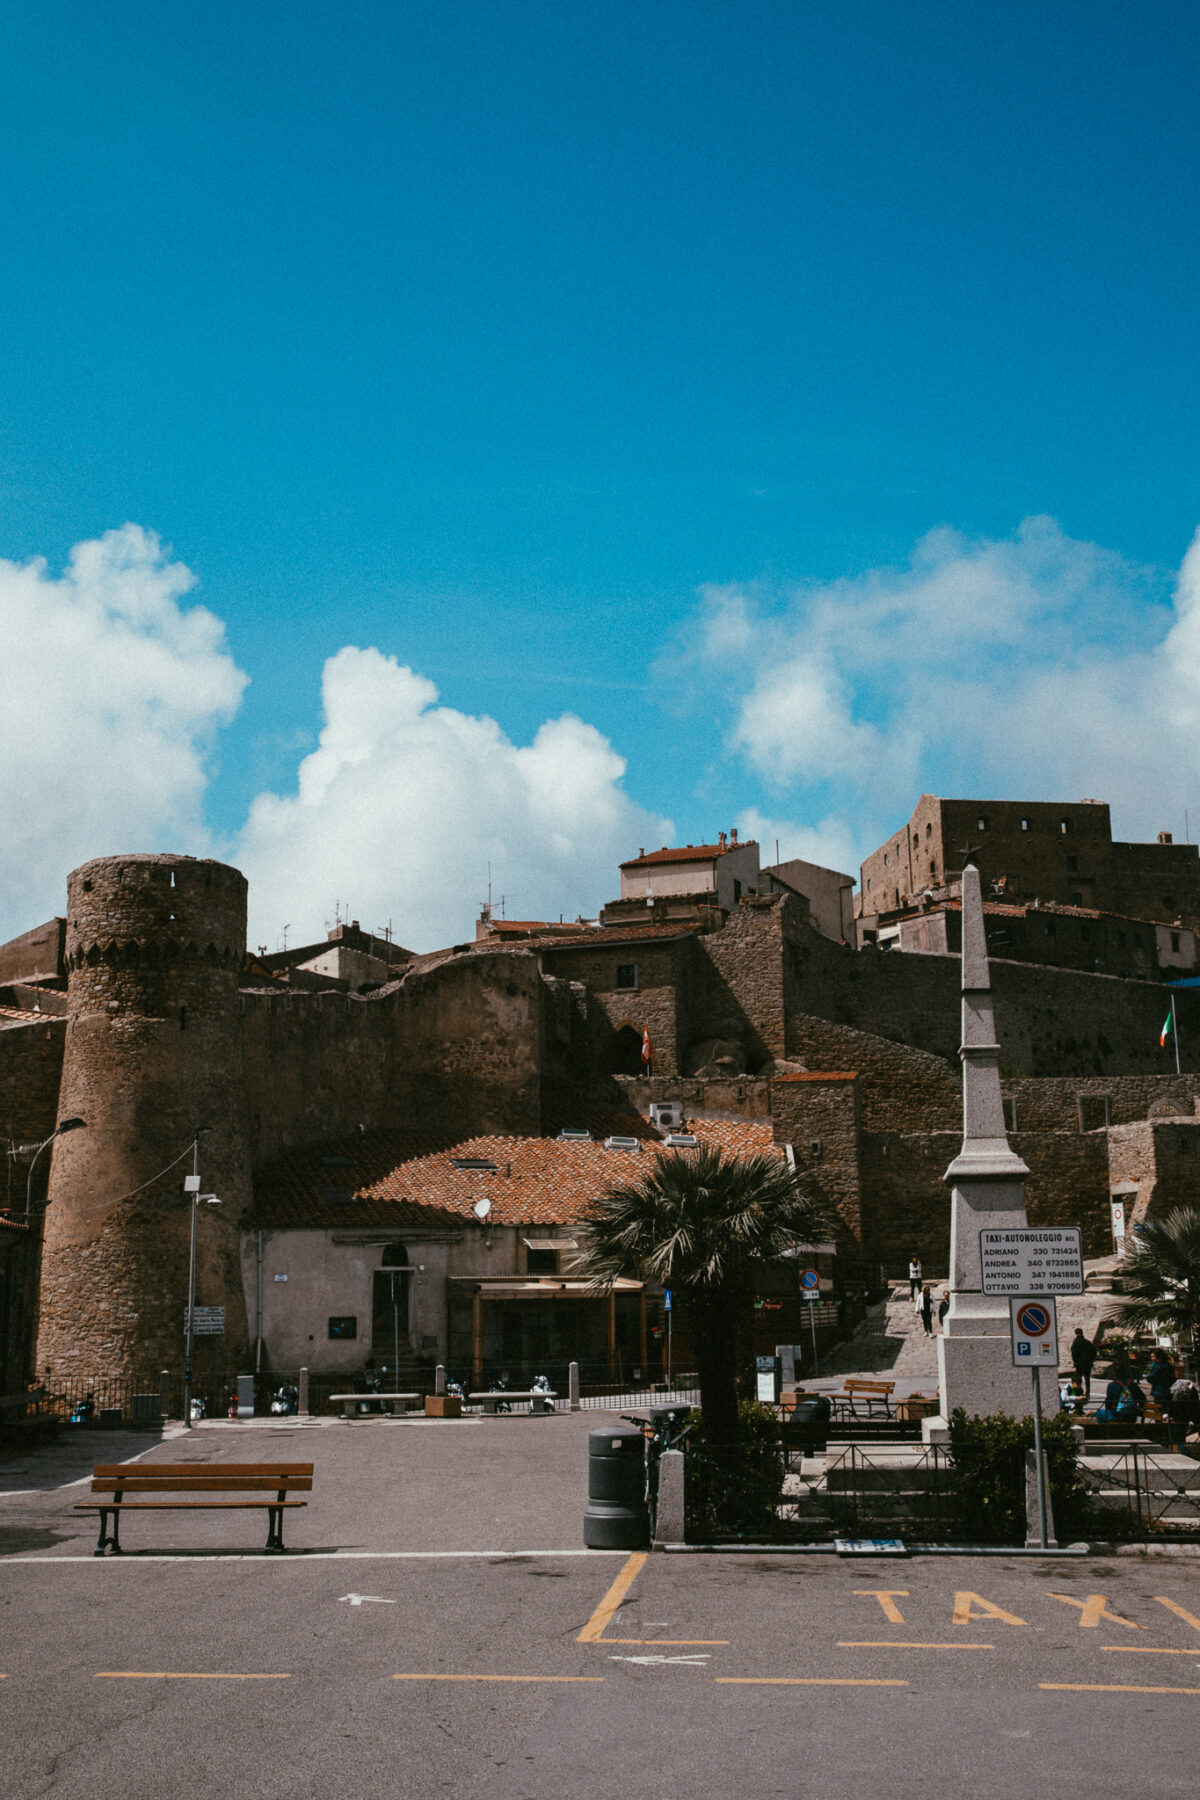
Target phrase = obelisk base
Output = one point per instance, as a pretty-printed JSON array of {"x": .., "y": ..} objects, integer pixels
[{"x": 977, "y": 1374}]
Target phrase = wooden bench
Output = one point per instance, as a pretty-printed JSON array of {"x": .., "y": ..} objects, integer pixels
[
  {"x": 147, "y": 1482},
  {"x": 493, "y": 1398},
  {"x": 867, "y": 1393},
  {"x": 350, "y": 1403}
]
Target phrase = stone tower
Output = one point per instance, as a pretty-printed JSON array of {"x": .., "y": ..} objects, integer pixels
[{"x": 154, "y": 949}]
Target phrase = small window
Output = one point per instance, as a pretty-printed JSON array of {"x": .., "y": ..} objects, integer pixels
[
  {"x": 1072, "y": 865},
  {"x": 1024, "y": 824},
  {"x": 1051, "y": 927},
  {"x": 868, "y": 884},
  {"x": 627, "y": 972},
  {"x": 929, "y": 831},
  {"x": 183, "y": 1017},
  {"x": 343, "y": 1325},
  {"x": 1010, "y": 1112},
  {"x": 541, "y": 1262},
  {"x": 933, "y": 871},
  {"x": 737, "y": 889},
  {"x": 1064, "y": 825},
  {"x": 484, "y": 1163},
  {"x": 916, "y": 840},
  {"x": 1076, "y": 899},
  {"x": 1174, "y": 940},
  {"x": 1095, "y": 1111},
  {"x": 885, "y": 860},
  {"x": 981, "y": 824}
]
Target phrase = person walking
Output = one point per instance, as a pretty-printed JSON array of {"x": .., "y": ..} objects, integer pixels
[
  {"x": 1160, "y": 1378},
  {"x": 914, "y": 1277},
  {"x": 1083, "y": 1356},
  {"x": 927, "y": 1309}
]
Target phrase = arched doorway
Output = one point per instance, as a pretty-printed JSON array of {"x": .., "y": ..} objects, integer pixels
[
  {"x": 625, "y": 1051},
  {"x": 390, "y": 1301}
]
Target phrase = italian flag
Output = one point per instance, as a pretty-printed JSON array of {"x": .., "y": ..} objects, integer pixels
[
  {"x": 1168, "y": 1028},
  {"x": 647, "y": 1052}
]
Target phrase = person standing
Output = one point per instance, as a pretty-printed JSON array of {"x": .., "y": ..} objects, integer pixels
[
  {"x": 1083, "y": 1356},
  {"x": 943, "y": 1307},
  {"x": 927, "y": 1309},
  {"x": 914, "y": 1277},
  {"x": 1160, "y": 1378}
]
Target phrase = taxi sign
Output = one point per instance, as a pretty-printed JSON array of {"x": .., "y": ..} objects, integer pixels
[
  {"x": 1034, "y": 1332},
  {"x": 1031, "y": 1262}
]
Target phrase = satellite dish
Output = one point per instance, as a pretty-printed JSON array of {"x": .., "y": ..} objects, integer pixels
[{"x": 482, "y": 1208}]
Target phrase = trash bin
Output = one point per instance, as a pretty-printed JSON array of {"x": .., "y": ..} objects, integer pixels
[
  {"x": 807, "y": 1424},
  {"x": 616, "y": 1517}
]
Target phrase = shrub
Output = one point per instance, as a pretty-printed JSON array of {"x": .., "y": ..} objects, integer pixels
[
  {"x": 987, "y": 1462},
  {"x": 733, "y": 1490}
]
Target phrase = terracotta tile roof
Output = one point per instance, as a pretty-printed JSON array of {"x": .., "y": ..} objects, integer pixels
[
  {"x": 24, "y": 1015},
  {"x": 7, "y": 1224},
  {"x": 619, "y": 934},
  {"x": 401, "y": 1181},
  {"x": 683, "y": 854}
]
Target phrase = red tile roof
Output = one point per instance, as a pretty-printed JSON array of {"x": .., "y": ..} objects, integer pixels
[
  {"x": 405, "y": 1180},
  {"x": 684, "y": 854}
]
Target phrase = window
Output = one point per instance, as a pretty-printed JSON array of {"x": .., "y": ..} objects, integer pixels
[
  {"x": 541, "y": 1262},
  {"x": 1076, "y": 899},
  {"x": 343, "y": 1325},
  {"x": 933, "y": 871},
  {"x": 1095, "y": 1111},
  {"x": 1064, "y": 825},
  {"x": 473, "y": 1162},
  {"x": 885, "y": 861},
  {"x": 1072, "y": 865},
  {"x": 627, "y": 972},
  {"x": 1024, "y": 824},
  {"x": 1174, "y": 940},
  {"x": 929, "y": 831},
  {"x": 1051, "y": 927},
  {"x": 737, "y": 889},
  {"x": 1009, "y": 1104},
  {"x": 981, "y": 824},
  {"x": 868, "y": 884},
  {"x": 916, "y": 840}
]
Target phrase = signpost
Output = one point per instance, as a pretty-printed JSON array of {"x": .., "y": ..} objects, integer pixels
[
  {"x": 668, "y": 1310},
  {"x": 206, "y": 1321},
  {"x": 1034, "y": 1324},
  {"x": 810, "y": 1290}
]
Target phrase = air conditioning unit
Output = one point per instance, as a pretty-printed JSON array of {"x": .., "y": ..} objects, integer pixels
[{"x": 666, "y": 1115}]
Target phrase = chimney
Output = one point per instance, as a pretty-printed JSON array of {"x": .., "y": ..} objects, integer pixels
[
  {"x": 720, "y": 840},
  {"x": 641, "y": 853},
  {"x": 733, "y": 834},
  {"x": 1164, "y": 837}
]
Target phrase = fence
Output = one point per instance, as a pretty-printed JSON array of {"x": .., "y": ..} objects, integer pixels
[{"x": 1141, "y": 1492}]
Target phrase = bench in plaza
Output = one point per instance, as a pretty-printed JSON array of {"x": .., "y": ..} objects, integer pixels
[
  {"x": 492, "y": 1398},
  {"x": 140, "y": 1487},
  {"x": 868, "y": 1394},
  {"x": 350, "y": 1403}
]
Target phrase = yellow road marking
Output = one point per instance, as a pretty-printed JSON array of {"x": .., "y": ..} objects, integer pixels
[
  {"x": 1093, "y": 1609},
  {"x": 901, "y": 1644},
  {"x": 593, "y": 1631},
  {"x": 1146, "y": 1650},
  {"x": 1100, "y": 1687},
  {"x": 1181, "y": 1612},
  {"x": 887, "y": 1598},
  {"x": 803, "y": 1681},
  {"x": 178, "y": 1675},
  {"x": 604, "y": 1614},
  {"x": 968, "y": 1606},
  {"x": 497, "y": 1678}
]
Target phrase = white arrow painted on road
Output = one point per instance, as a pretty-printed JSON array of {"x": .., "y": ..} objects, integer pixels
[
  {"x": 693, "y": 1660},
  {"x": 359, "y": 1599}
]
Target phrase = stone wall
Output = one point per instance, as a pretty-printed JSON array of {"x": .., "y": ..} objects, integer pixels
[
  {"x": 31, "y": 1057},
  {"x": 1163, "y": 1158},
  {"x": 818, "y": 1114}
]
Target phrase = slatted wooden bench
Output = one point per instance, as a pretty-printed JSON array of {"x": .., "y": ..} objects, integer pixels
[
  {"x": 140, "y": 1487},
  {"x": 866, "y": 1393}
]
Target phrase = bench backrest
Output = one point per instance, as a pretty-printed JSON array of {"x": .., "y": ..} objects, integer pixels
[
  {"x": 869, "y": 1387},
  {"x": 201, "y": 1478}
]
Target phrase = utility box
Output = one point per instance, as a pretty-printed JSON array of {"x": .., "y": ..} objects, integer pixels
[{"x": 245, "y": 1396}]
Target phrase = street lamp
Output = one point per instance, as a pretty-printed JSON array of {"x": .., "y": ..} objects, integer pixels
[
  {"x": 63, "y": 1125},
  {"x": 191, "y": 1187}
]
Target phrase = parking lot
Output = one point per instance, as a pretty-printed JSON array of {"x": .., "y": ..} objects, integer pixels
[{"x": 438, "y": 1628}]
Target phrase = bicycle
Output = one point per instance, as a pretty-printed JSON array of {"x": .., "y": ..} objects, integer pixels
[{"x": 665, "y": 1429}]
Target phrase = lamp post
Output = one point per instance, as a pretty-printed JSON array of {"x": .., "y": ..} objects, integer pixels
[
  {"x": 63, "y": 1125},
  {"x": 191, "y": 1187}
]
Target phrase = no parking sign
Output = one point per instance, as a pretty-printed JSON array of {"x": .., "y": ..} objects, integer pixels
[{"x": 1034, "y": 1332}]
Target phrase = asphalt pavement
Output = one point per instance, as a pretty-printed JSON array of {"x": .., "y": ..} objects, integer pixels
[{"x": 437, "y": 1628}]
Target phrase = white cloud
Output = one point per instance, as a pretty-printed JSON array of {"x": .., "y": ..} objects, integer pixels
[
  {"x": 1035, "y": 667},
  {"x": 112, "y": 691},
  {"x": 403, "y": 804}
]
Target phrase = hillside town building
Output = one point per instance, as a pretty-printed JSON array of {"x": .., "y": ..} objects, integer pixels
[{"x": 358, "y": 1100}]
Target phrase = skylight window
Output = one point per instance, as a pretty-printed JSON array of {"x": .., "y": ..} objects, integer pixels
[
  {"x": 681, "y": 1140},
  {"x": 574, "y": 1134},
  {"x": 472, "y": 1162},
  {"x": 622, "y": 1143}
]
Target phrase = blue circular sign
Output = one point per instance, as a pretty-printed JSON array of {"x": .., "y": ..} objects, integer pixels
[
  {"x": 1033, "y": 1320},
  {"x": 810, "y": 1279}
]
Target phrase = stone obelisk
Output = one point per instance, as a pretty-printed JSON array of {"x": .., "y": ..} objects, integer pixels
[{"x": 987, "y": 1181}]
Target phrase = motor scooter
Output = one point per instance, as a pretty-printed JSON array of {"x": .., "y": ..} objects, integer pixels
[
  {"x": 541, "y": 1390},
  {"x": 285, "y": 1401}
]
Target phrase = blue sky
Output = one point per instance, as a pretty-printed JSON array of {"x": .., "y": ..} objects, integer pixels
[{"x": 792, "y": 403}]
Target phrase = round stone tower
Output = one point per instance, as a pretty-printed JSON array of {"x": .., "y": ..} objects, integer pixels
[{"x": 154, "y": 949}]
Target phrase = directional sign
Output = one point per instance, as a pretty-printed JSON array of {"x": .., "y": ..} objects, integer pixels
[
  {"x": 207, "y": 1321},
  {"x": 1034, "y": 1332},
  {"x": 1031, "y": 1262},
  {"x": 666, "y": 1299}
]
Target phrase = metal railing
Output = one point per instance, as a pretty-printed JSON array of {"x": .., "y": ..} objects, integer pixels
[{"x": 1141, "y": 1491}]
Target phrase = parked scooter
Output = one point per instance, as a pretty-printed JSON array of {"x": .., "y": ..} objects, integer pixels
[
  {"x": 285, "y": 1401},
  {"x": 83, "y": 1411},
  {"x": 501, "y": 1385},
  {"x": 197, "y": 1410},
  {"x": 541, "y": 1390}
]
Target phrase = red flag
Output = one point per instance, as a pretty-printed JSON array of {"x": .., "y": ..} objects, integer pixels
[{"x": 647, "y": 1052}]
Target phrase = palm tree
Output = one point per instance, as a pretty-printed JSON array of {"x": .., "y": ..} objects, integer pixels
[
  {"x": 1162, "y": 1277},
  {"x": 698, "y": 1223}
]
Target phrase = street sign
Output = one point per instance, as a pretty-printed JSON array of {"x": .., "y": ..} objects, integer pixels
[
  {"x": 869, "y": 1546},
  {"x": 810, "y": 1279},
  {"x": 1031, "y": 1262},
  {"x": 666, "y": 1299},
  {"x": 1118, "y": 1223},
  {"x": 207, "y": 1321},
  {"x": 1034, "y": 1332}
]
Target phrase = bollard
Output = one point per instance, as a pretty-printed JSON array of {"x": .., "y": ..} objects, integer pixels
[
  {"x": 439, "y": 1379},
  {"x": 1032, "y": 1534},
  {"x": 164, "y": 1392},
  {"x": 302, "y": 1402},
  {"x": 573, "y": 1386},
  {"x": 669, "y": 1512}
]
